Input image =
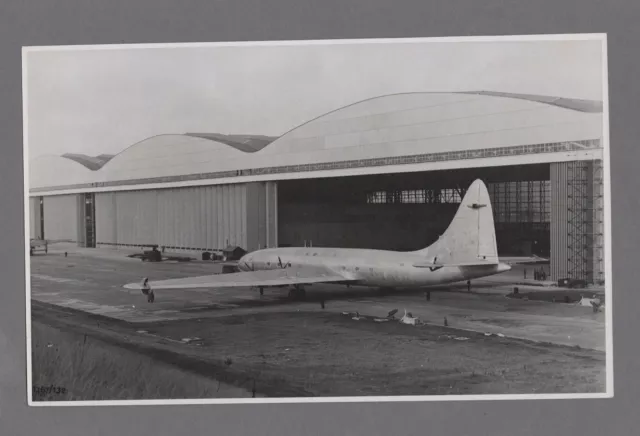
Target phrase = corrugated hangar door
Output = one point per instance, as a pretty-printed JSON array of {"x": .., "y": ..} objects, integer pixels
[
  {"x": 61, "y": 217},
  {"x": 35, "y": 218},
  {"x": 262, "y": 215},
  {"x": 190, "y": 219},
  {"x": 105, "y": 217}
]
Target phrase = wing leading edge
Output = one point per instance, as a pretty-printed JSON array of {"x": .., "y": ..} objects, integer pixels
[
  {"x": 436, "y": 264},
  {"x": 264, "y": 278}
]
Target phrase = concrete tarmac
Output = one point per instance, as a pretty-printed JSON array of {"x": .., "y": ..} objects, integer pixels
[{"x": 91, "y": 280}]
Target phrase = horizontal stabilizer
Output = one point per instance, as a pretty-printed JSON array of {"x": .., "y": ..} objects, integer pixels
[
  {"x": 514, "y": 260},
  {"x": 275, "y": 277}
]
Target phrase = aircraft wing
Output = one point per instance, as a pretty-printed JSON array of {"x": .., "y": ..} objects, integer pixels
[{"x": 276, "y": 277}]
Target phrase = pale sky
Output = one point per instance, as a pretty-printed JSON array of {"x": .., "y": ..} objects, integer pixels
[{"x": 102, "y": 101}]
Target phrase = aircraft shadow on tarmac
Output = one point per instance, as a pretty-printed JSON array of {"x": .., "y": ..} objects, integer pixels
[{"x": 280, "y": 297}]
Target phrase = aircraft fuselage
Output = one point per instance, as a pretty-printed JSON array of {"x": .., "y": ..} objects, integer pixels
[{"x": 375, "y": 268}]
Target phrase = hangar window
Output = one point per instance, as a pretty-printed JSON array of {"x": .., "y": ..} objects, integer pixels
[
  {"x": 416, "y": 196},
  {"x": 377, "y": 197},
  {"x": 521, "y": 201}
]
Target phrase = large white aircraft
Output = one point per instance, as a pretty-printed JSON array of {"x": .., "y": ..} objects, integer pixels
[{"x": 467, "y": 250}]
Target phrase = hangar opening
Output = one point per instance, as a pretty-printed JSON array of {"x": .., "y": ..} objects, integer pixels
[
  {"x": 409, "y": 211},
  {"x": 549, "y": 210}
]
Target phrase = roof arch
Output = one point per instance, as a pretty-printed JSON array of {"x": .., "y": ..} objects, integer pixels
[
  {"x": 434, "y": 122},
  {"x": 170, "y": 155},
  {"x": 246, "y": 143},
  {"x": 51, "y": 170},
  {"x": 403, "y": 126}
]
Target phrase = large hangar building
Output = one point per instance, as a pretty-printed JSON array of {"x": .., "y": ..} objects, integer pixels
[{"x": 384, "y": 173}]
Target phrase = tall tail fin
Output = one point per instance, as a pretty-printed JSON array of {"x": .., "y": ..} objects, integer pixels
[{"x": 471, "y": 236}]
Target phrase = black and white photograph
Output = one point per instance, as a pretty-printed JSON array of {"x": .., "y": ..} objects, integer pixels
[{"x": 423, "y": 219}]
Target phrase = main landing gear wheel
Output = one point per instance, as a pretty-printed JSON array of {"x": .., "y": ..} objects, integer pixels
[{"x": 297, "y": 293}]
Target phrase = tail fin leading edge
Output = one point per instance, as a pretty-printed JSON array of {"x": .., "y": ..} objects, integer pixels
[{"x": 471, "y": 236}]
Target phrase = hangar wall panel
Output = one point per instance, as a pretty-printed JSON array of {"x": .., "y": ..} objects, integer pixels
[
  {"x": 201, "y": 218},
  {"x": 61, "y": 217},
  {"x": 39, "y": 225},
  {"x": 271, "y": 195},
  {"x": 136, "y": 217},
  {"x": 256, "y": 215},
  {"x": 559, "y": 220},
  {"x": 81, "y": 220},
  {"x": 106, "y": 222},
  {"x": 189, "y": 219},
  {"x": 34, "y": 218}
]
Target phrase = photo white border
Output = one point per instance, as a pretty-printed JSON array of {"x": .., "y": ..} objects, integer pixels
[{"x": 609, "y": 389}]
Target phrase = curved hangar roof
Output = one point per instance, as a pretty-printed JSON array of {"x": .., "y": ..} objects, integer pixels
[{"x": 417, "y": 127}]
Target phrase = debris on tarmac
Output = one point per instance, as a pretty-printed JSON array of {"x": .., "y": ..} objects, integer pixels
[
  {"x": 457, "y": 338},
  {"x": 408, "y": 318}
]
